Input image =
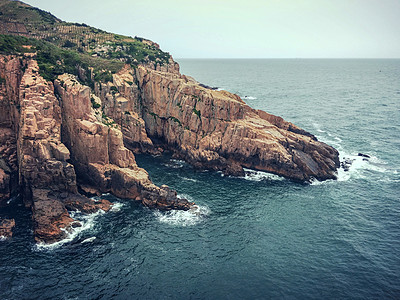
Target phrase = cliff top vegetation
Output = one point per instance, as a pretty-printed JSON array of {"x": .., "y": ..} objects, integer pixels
[{"x": 70, "y": 42}]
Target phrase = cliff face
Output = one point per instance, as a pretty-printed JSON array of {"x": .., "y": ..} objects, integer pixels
[
  {"x": 210, "y": 129},
  {"x": 216, "y": 129}
]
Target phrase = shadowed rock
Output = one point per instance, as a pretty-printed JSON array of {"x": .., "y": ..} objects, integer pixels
[{"x": 6, "y": 227}]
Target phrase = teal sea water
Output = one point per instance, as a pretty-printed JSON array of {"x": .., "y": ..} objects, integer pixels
[{"x": 257, "y": 237}]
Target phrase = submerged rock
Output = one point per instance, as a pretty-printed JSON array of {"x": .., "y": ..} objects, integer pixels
[
  {"x": 364, "y": 155},
  {"x": 346, "y": 164}
]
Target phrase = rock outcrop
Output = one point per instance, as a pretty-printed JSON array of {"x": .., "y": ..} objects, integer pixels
[
  {"x": 217, "y": 130},
  {"x": 98, "y": 152},
  {"x": 68, "y": 133}
]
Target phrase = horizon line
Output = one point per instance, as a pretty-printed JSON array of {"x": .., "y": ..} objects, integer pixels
[{"x": 287, "y": 58}]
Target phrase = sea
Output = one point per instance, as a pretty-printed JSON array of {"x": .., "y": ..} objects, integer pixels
[{"x": 260, "y": 236}]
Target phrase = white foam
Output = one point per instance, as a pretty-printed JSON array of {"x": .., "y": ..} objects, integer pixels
[
  {"x": 359, "y": 165},
  {"x": 254, "y": 175},
  {"x": 188, "y": 179},
  {"x": 87, "y": 221},
  {"x": 2, "y": 238},
  {"x": 88, "y": 240},
  {"x": 249, "y": 98},
  {"x": 175, "y": 163},
  {"x": 12, "y": 199},
  {"x": 116, "y": 206},
  {"x": 183, "y": 218},
  {"x": 178, "y": 161}
]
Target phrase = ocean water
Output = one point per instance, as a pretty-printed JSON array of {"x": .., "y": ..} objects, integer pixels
[{"x": 257, "y": 237}]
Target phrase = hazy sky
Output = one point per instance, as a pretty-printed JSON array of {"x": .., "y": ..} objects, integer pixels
[{"x": 247, "y": 28}]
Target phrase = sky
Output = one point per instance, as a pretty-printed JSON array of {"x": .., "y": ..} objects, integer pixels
[{"x": 247, "y": 28}]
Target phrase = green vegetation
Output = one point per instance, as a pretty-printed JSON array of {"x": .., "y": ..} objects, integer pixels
[
  {"x": 103, "y": 76},
  {"x": 13, "y": 44},
  {"x": 17, "y": 18},
  {"x": 69, "y": 44},
  {"x": 197, "y": 112},
  {"x": 114, "y": 90},
  {"x": 95, "y": 105},
  {"x": 154, "y": 115},
  {"x": 131, "y": 52},
  {"x": 54, "y": 61},
  {"x": 15, "y": 10},
  {"x": 196, "y": 98},
  {"x": 2, "y": 80},
  {"x": 176, "y": 120}
]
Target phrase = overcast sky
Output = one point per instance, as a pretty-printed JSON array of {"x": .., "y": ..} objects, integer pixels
[{"x": 247, "y": 28}]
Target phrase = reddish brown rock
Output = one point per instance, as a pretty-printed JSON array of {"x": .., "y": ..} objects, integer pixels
[
  {"x": 99, "y": 154},
  {"x": 10, "y": 71},
  {"x": 42, "y": 155},
  {"x": 42, "y": 169},
  {"x": 51, "y": 218},
  {"x": 6, "y": 227},
  {"x": 50, "y": 212},
  {"x": 4, "y": 187},
  {"x": 75, "y": 202}
]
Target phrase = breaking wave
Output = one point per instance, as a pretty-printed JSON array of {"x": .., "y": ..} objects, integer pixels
[
  {"x": 86, "y": 223},
  {"x": 174, "y": 163},
  {"x": 352, "y": 165},
  {"x": 260, "y": 176},
  {"x": 183, "y": 218}
]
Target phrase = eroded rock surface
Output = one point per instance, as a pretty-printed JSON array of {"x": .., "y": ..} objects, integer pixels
[
  {"x": 98, "y": 152},
  {"x": 217, "y": 130},
  {"x": 58, "y": 136}
]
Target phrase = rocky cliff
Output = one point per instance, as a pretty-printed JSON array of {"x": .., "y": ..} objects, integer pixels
[
  {"x": 71, "y": 122},
  {"x": 47, "y": 141}
]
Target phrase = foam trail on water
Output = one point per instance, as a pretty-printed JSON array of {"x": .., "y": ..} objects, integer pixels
[
  {"x": 175, "y": 163},
  {"x": 188, "y": 179},
  {"x": 249, "y": 98},
  {"x": 88, "y": 240},
  {"x": 183, "y": 218},
  {"x": 260, "y": 176}
]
